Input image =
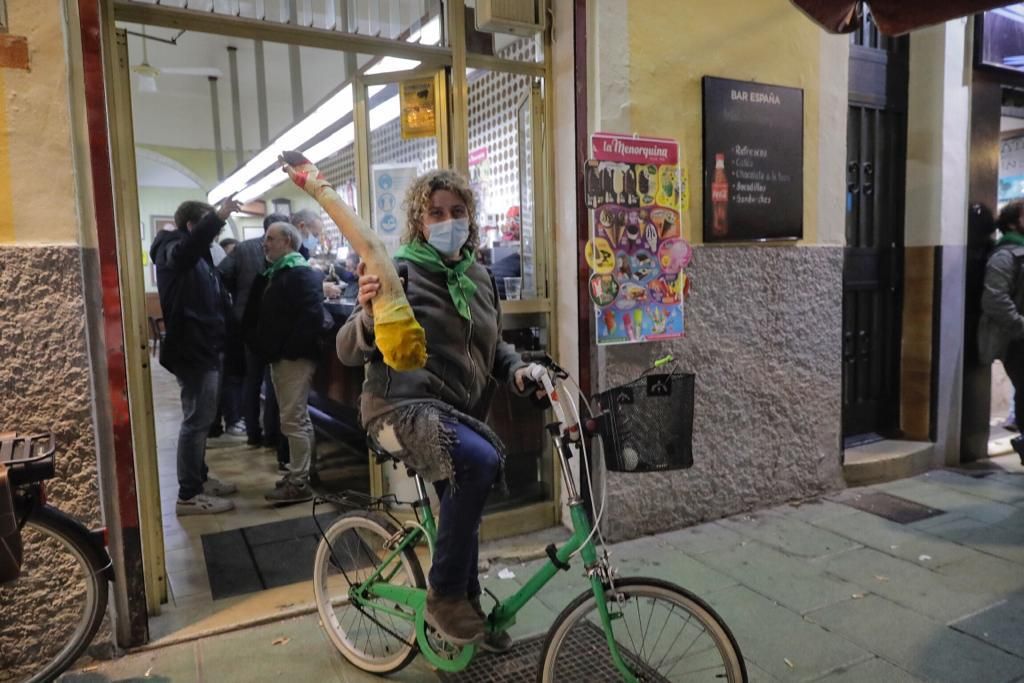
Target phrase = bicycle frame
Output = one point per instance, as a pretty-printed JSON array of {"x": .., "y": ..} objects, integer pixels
[{"x": 504, "y": 613}]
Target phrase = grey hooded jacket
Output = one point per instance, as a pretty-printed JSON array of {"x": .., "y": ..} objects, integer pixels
[
  {"x": 464, "y": 357},
  {"x": 1002, "y": 303}
]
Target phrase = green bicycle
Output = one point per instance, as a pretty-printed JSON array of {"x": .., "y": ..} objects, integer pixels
[{"x": 371, "y": 594}]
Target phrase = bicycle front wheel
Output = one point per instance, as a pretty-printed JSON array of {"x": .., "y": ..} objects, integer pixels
[
  {"x": 61, "y": 596},
  {"x": 377, "y": 636},
  {"x": 662, "y": 633}
]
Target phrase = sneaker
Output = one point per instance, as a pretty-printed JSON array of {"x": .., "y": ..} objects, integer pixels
[
  {"x": 283, "y": 467},
  {"x": 237, "y": 430},
  {"x": 202, "y": 504},
  {"x": 494, "y": 641},
  {"x": 290, "y": 492},
  {"x": 216, "y": 487},
  {"x": 454, "y": 618}
]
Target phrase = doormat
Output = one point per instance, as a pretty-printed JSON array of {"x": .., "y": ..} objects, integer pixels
[
  {"x": 893, "y": 508},
  {"x": 581, "y": 660},
  {"x": 264, "y": 556}
]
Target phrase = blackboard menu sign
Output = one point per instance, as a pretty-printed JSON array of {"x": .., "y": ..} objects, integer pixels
[{"x": 753, "y": 161}]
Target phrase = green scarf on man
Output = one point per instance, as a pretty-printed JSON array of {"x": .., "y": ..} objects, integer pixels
[
  {"x": 1011, "y": 237},
  {"x": 292, "y": 259},
  {"x": 460, "y": 286}
]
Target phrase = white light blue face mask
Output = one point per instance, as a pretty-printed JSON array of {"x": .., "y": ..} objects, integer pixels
[
  {"x": 310, "y": 242},
  {"x": 449, "y": 236}
]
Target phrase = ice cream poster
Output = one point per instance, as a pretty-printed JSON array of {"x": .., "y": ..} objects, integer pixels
[{"x": 636, "y": 251}]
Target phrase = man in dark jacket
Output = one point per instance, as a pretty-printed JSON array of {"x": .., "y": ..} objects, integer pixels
[
  {"x": 240, "y": 270},
  {"x": 287, "y": 336},
  {"x": 195, "y": 306}
]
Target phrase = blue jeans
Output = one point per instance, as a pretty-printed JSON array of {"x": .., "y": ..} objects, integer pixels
[
  {"x": 476, "y": 463},
  {"x": 199, "y": 400}
]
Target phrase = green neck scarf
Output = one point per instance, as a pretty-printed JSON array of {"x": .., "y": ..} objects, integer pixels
[
  {"x": 460, "y": 287},
  {"x": 1012, "y": 237},
  {"x": 292, "y": 259}
]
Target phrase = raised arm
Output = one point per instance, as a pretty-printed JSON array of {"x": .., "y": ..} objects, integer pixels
[
  {"x": 399, "y": 337},
  {"x": 186, "y": 253}
]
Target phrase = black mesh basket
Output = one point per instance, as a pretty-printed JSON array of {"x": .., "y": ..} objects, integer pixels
[{"x": 649, "y": 424}]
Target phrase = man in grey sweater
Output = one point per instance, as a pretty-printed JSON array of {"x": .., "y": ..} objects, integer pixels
[{"x": 1001, "y": 330}]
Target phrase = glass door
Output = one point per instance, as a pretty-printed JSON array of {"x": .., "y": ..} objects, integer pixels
[{"x": 402, "y": 120}]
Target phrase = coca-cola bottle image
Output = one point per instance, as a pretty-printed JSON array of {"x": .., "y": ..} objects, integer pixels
[{"x": 720, "y": 198}]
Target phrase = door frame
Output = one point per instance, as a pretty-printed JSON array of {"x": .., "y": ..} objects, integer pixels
[{"x": 112, "y": 151}]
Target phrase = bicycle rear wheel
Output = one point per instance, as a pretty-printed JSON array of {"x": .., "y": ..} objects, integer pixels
[
  {"x": 354, "y": 547},
  {"x": 63, "y": 580},
  {"x": 663, "y": 632}
]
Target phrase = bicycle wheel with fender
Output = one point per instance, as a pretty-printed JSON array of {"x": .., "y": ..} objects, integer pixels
[
  {"x": 374, "y": 635},
  {"x": 662, "y": 632},
  {"x": 63, "y": 578}
]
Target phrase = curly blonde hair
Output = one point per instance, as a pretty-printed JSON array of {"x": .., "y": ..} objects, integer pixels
[{"x": 417, "y": 201}]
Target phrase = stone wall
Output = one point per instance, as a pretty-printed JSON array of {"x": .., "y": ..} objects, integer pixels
[
  {"x": 763, "y": 328},
  {"x": 45, "y": 387},
  {"x": 44, "y": 366}
]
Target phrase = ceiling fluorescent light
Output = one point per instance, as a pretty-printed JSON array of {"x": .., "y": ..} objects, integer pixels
[
  {"x": 384, "y": 113},
  {"x": 338, "y": 106},
  {"x": 333, "y": 143},
  {"x": 390, "y": 64},
  {"x": 265, "y": 184},
  {"x": 323, "y": 149}
]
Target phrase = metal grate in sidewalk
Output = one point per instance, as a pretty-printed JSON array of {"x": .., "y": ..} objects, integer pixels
[
  {"x": 589, "y": 661},
  {"x": 893, "y": 508}
]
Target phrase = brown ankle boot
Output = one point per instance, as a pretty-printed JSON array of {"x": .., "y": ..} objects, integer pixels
[
  {"x": 494, "y": 641},
  {"x": 454, "y": 618}
]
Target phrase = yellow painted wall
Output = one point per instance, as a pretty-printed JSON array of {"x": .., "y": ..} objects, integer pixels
[
  {"x": 672, "y": 45},
  {"x": 38, "y": 202}
]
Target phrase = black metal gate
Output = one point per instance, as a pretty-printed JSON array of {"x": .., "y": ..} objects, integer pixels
[{"x": 873, "y": 265}]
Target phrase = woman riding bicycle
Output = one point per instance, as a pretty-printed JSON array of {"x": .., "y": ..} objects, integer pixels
[{"x": 431, "y": 419}]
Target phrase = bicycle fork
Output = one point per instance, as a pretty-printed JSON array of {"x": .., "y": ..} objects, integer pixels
[{"x": 598, "y": 570}]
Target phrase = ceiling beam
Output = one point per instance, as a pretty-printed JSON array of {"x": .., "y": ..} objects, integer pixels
[{"x": 273, "y": 32}]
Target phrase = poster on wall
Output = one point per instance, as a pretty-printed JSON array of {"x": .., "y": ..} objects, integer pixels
[
  {"x": 390, "y": 182},
  {"x": 636, "y": 250},
  {"x": 1011, "y": 168},
  {"x": 753, "y": 161},
  {"x": 418, "y": 108}
]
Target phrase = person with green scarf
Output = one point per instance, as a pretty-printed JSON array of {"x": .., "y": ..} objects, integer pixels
[
  {"x": 289, "y": 301},
  {"x": 432, "y": 418},
  {"x": 1001, "y": 329}
]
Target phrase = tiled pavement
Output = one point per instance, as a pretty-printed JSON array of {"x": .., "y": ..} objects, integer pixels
[{"x": 818, "y": 591}]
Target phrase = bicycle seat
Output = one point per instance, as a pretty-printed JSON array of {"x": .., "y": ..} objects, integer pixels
[
  {"x": 28, "y": 459},
  {"x": 381, "y": 456}
]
